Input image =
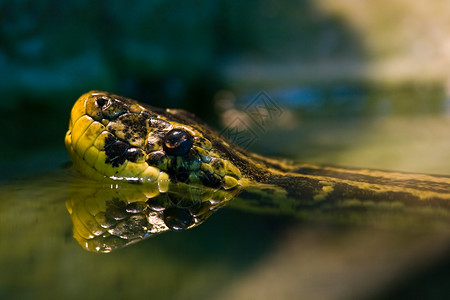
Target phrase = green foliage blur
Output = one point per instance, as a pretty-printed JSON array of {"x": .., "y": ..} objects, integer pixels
[{"x": 165, "y": 52}]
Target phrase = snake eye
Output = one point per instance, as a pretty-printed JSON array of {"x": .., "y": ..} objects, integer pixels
[
  {"x": 177, "y": 218},
  {"x": 177, "y": 142}
]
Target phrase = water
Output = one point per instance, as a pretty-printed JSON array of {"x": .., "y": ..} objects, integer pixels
[
  {"x": 234, "y": 254},
  {"x": 240, "y": 253},
  {"x": 45, "y": 261}
]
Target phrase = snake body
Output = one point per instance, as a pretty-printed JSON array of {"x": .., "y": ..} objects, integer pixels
[{"x": 114, "y": 138}]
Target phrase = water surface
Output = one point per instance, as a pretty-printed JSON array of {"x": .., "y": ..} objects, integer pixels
[{"x": 240, "y": 252}]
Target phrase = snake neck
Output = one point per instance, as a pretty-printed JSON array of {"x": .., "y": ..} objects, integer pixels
[{"x": 312, "y": 183}]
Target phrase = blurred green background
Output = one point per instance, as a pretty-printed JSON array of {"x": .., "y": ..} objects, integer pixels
[
  {"x": 361, "y": 83},
  {"x": 336, "y": 60}
]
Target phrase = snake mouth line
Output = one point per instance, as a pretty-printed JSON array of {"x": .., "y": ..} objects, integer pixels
[{"x": 115, "y": 138}]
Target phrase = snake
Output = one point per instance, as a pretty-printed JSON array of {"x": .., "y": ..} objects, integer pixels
[
  {"x": 117, "y": 140},
  {"x": 113, "y": 138}
]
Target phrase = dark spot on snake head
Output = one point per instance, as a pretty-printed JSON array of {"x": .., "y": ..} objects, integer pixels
[
  {"x": 109, "y": 140},
  {"x": 159, "y": 124},
  {"x": 134, "y": 154},
  {"x": 128, "y": 135},
  {"x": 156, "y": 158},
  {"x": 146, "y": 114},
  {"x": 177, "y": 142},
  {"x": 177, "y": 219},
  {"x": 217, "y": 164},
  {"x": 115, "y": 152}
]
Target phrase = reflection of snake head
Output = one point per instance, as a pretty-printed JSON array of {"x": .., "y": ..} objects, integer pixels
[
  {"x": 117, "y": 138},
  {"x": 106, "y": 218}
]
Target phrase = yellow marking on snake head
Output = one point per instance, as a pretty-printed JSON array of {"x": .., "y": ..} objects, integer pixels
[{"x": 112, "y": 137}]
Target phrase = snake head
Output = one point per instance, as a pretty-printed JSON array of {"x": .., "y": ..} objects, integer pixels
[{"x": 115, "y": 138}]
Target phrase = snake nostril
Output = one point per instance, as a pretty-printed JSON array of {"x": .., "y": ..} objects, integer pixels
[{"x": 100, "y": 102}]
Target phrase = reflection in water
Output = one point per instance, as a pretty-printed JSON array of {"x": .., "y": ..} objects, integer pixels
[{"x": 108, "y": 217}]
